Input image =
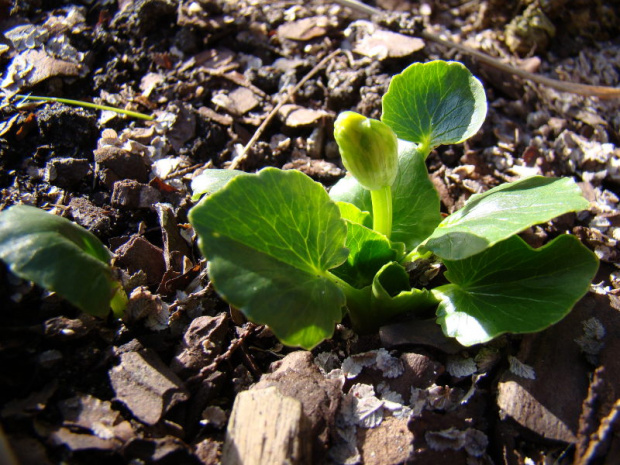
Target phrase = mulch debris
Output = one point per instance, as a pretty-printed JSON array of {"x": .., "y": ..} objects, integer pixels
[{"x": 160, "y": 386}]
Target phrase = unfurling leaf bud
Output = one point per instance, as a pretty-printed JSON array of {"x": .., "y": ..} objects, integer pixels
[{"x": 369, "y": 149}]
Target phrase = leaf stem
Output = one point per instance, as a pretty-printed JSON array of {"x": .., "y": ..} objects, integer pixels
[
  {"x": 79, "y": 103},
  {"x": 382, "y": 210}
]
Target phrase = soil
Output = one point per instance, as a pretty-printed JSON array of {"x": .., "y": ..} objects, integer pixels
[{"x": 159, "y": 387}]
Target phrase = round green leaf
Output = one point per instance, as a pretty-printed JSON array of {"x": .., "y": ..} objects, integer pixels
[
  {"x": 270, "y": 239},
  {"x": 58, "y": 255},
  {"x": 434, "y": 103},
  {"x": 512, "y": 288}
]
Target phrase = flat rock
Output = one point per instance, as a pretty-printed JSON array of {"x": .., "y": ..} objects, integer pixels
[
  {"x": 138, "y": 254},
  {"x": 146, "y": 386},
  {"x": 67, "y": 172},
  {"x": 124, "y": 164},
  {"x": 96, "y": 219},
  {"x": 238, "y": 102},
  {"x": 303, "y": 29},
  {"x": 131, "y": 194},
  {"x": 387, "y": 44}
]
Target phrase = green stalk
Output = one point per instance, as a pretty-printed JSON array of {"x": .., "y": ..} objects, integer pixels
[
  {"x": 382, "y": 210},
  {"x": 79, "y": 103}
]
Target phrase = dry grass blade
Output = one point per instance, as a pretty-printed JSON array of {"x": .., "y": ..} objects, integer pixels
[
  {"x": 243, "y": 155},
  {"x": 602, "y": 92}
]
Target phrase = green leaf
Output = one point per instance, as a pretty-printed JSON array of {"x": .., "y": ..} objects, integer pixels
[
  {"x": 416, "y": 204},
  {"x": 501, "y": 212},
  {"x": 270, "y": 239},
  {"x": 212, "y": 180},
  {"x": 368, "y": 252},
  {"x": 389, "y": 295},
  {"x": 351, "y": 213},
  {"x": 512, "y": 288},
  {"x": 59, "y": 256},
  {"x": 434, "y": 103}
]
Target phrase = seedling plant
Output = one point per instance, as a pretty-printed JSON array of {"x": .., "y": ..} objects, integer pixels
[{"x": 298, "y": 259}]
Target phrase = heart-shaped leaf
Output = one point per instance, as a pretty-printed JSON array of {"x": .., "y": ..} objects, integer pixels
[
  {"x": 59, "y": 256},
  {"x": 501, "y": 212},
  {"x": 415, "y": 206},
  {"x": 512, "y": 288},
  {"x": 270, "y": 239},
  {"x": 434, "y": 103}
]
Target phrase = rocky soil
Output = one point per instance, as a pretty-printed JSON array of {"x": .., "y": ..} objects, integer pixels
[{"x": 246, "y": 84}]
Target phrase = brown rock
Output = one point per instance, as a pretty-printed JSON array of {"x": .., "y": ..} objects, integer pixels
[
  {"x": 67, "y": 172},
  {"x": 90, "y": 216},
  {"x": 132, "y": 194},
  {"x": 146, "y": 386},
  {"x": 123, "y": 163},
  {"x": 139, "y": 254},
  {"x": 389, "y": 443}
]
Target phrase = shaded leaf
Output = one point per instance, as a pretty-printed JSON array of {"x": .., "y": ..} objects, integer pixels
[
  {"x": 368, "y": 252},
  {"x": 511, "y": 287},
  {"x": 58, "y": 255}
]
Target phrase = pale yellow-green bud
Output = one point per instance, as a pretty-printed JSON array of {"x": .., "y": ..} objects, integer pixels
[{"x": 369, "y": 149}]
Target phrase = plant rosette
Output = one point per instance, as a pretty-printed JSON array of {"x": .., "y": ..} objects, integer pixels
[{"x": 298, "y": 259}]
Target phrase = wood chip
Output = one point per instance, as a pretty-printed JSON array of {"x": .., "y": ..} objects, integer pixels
[
  {"x": 387, "y": 44},
  {"x": 238, "y": 102},
  {"x": 295, "y": 116},
  {"x": 303, "y": 29},
  {"x": 267, "y": 427}
]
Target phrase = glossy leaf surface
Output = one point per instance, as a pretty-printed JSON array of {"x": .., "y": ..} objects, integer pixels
[
  {"x": 270, "y": 239},
  {"x": 501, "y": 212},
  {"x": 512, "y": 288},
  {"x": 434, "y": 103}
]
